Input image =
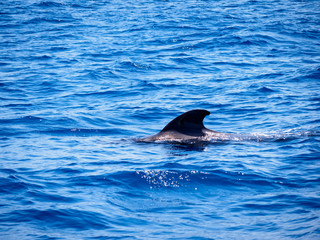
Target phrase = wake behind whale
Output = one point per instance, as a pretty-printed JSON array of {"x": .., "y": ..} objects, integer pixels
[{"x": 188, "y": 128}]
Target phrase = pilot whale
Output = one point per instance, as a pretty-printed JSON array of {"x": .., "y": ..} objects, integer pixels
[{"x": 187, "y": 126}]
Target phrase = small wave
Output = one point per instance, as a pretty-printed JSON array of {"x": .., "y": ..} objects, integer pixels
[
  {"x": 82, "y": 132},
  {"x": 38, "y": 20},
  {"x": 314, "y": 74},
  {"x": 14, "y": 185},
  {"x": 265, "y": 90},
  {"x": 17, "y": 105},
  {"x": 131, "y": 65},
  {"x": 25, "y": 119},
  {"x": 214, "y": 138},
  {"x": 46, "y": 197},
  {"x": 9, "y": 186},
  {"x": 49, "y": 4},
  {"x": 273, "y": 135},
  {"x": 61, "y": 219},
  {"x": 197, "y": 180}
]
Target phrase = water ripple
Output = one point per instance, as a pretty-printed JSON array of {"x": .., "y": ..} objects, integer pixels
[{"x": 82, "y": 80}]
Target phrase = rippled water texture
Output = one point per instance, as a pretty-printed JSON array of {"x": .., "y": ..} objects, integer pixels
[{"x": 80, "y": 81}]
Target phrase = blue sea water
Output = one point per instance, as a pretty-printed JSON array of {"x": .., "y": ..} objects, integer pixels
[{"x": 81, "y": 80}]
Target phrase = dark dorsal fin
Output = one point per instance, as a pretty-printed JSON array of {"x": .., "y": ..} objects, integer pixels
[{"x": 190, "y": 123}]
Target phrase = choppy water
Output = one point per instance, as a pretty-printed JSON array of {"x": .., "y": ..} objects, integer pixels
[{"x": 81, "y": 80}]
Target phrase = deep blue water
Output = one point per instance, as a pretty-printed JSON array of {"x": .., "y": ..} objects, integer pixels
[{"x": 81, "y": 80}]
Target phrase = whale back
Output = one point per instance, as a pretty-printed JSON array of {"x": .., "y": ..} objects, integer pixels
[{"x": 188, "y": 123}]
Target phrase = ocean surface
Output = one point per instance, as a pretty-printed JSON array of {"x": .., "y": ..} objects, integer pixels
[{"x": 81, "y": 81}]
